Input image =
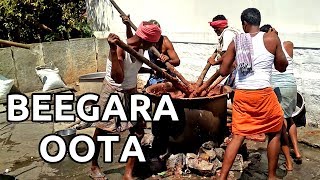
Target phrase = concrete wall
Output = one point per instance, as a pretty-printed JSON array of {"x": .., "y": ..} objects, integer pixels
[{"x": 73, "y": 58}]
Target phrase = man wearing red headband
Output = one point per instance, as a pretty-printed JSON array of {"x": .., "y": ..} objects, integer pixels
[
  {"x": 164, "y": 46},
  {"x": 121, "y": 78},
  {"x": 226, "y": 34}
]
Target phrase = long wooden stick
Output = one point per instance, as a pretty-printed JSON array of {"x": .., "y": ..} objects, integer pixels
[
  {"x": 10, "y": 43},
  {"x": 187, "y": 90},
  {"x": 214, "y": 84},
  {"x": 153, "y": 49},
  {"x": 171, "y": 67},
  {"x": 123, "y": 14},
  {"x": 205, "y": 85},
  {"x": 204, "y": 73}
]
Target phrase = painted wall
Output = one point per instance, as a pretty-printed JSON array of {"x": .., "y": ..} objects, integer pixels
[{"x": 187, "y": 20}]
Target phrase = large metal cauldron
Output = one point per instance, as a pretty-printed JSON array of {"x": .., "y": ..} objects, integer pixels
[{"x": 207, "y": 114}]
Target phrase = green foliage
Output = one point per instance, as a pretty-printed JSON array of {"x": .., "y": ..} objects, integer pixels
[{"x": 32, "y": 21}]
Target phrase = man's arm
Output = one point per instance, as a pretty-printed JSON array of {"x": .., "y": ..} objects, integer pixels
[
  {"x": 129, "y": 32},
  {"x": 227, "y": 60},
  {"x": 288, "y": 46},
  {"x": 125, "y": 20},
  {"x": 212, "y": 60},
  {"x": 227, "y": 39},
  {"x": 280, "y": 60},
  {"x": 116, "y": 57},
  {"x": 173, "y": 56}
]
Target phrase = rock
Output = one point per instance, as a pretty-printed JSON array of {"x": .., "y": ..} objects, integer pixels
[
  {"x": 238, "y": 163},
  {"x": 208, "y": 145},
  {"x": 236, "y": 175},
  {"x": 216, "y": 164},
  {"x": 147, "y": 139},
  {"x": 226, "y": 141},
  {"x": 207, "y": 152},
  {"x": 231, "y": 175},
  {"x": 246, "y": 164},
  {"x": 220, "y": 153},
  {"x": 202, "y": 167},
  {"x": 191, "y": 156},
  {"x": 256, "y": 156},
  {"x": 176, "y": 163},
  {"x": 207, "y": 155}
]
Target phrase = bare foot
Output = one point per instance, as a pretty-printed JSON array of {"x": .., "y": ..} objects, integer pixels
[
  {"x": 96, "y": 173},
  {"x": 289, "y": 166}
]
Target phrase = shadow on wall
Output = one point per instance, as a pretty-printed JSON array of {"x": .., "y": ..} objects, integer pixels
[{"x": 73, "y": 58}]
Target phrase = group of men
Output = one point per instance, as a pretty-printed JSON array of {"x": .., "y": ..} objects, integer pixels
[
  {"x": 259, "y": 66},
  {"x": 265, "y": 90}
]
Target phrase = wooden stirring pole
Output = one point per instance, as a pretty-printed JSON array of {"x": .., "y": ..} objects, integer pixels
[
  {"x": 205, "y": 85},
  {"x": 171, "y": 67},
  {"x": 214, "y": 84},
  {"x": 204, "y": 73},
  {"x": 154, "y": 50},
  {"x": 10, "y": 43},
  {"x": 185, "y": 89},
  {"x": 123, "y": 14}
]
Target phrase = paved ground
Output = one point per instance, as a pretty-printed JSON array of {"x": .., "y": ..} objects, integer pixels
[{"x": 19, "y": 153}]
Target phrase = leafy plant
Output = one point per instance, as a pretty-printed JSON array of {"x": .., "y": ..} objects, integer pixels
[{"x": 32, "y": 21}]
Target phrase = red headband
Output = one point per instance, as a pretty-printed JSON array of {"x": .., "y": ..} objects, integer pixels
[
  {"x": 149, "y": 32},
  {"x": 219, "y": 24}
]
